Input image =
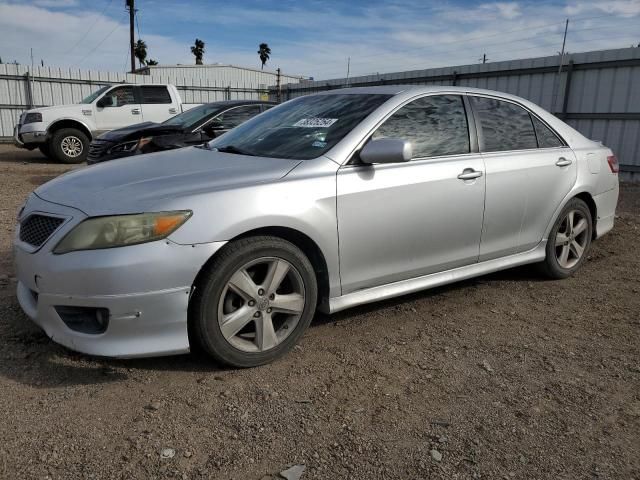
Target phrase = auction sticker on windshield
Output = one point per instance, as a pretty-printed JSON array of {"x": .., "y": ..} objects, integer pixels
[{"x": 315, "y": 122}]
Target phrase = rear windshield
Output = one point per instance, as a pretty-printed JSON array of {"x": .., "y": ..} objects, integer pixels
[{"x": 303, "y": 128}]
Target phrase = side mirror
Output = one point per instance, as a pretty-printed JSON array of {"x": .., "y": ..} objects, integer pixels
[
  {"x": 386, "y": 150},
  {"x": 105, "y": 101}
]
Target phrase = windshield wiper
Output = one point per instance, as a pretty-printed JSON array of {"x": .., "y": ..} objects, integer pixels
[{"x": 234, "y": 149}]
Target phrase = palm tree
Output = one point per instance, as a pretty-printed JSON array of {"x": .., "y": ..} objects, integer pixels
[
  {"x": 140, "y": 51},
  {"x": 152, "y": 62},
  {"x": 264, "y": 52},
  {"x": 198, "y": 51}
]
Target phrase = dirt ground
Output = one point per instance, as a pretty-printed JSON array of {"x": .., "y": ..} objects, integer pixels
[{"x": 504, "y": 376}]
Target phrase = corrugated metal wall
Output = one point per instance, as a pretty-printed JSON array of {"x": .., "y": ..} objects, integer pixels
[
  {"x": 226, "y": 74},
  {"x": 59, "y": 86},
  {"x": 598, "y": 92}
]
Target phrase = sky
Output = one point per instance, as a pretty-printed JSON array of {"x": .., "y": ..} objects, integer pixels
[{"x": 313, "y": 38}]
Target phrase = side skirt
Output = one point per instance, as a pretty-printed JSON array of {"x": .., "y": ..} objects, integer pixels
[{"x": 411, "y": 285}]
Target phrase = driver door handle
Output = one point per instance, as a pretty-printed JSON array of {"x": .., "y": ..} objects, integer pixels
[
  {"x": 563, "y": 162},
  {"x": 135, "y": 111},
  {"x": 469, "y": 174}
]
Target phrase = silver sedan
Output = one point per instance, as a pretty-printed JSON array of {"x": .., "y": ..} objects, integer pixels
[{"x": 324, "y": 202}]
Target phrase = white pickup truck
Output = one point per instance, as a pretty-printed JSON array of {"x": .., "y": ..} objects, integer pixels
[{"x": 63, "y": 132}]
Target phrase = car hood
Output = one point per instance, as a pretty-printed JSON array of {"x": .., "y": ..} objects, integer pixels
[
  {"x": 139, "y": 130},
  {"x": 55, "y": 111},
  {"x": 139, "y": 184}
]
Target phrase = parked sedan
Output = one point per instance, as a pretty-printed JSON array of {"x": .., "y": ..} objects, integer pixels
[
  {"x": 324, "y": 202},
  {"x": 192, "y": 127}
]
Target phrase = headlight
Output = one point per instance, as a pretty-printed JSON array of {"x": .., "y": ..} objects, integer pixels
[
  {"x": 32, "y": 117},
  {"x": 129, "y": 146},
  {"x": 121, "y": 230}
]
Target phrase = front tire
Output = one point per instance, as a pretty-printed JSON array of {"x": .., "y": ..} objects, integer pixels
[
  {"x": 569, "y": 240},
  {"x": 253, "y": 302},
  {"x": 69, "y": 145}
]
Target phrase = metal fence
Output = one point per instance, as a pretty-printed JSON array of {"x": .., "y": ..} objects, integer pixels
[
  {"x": 21, "y": 89},
  {"x": 598, "y": 93}
]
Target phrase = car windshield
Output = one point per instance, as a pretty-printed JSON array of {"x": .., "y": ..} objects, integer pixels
[
  {"x": 303, "y": 128},
  {"x": 95, "y": 94},
  {"x": 193, "y": 116}
]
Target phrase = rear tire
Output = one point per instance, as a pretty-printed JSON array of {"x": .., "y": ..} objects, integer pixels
[
  {"x": 253, "y": 302},
  {"x": 569, "y": 240},
  {"x": 69, "y": 145}
]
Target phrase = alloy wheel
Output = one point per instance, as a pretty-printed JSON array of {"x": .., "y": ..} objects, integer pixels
[
  {"x": 571, "y": 239},
  {"x": 261, "y": 304},
  {"x": 71, "y": 146}
]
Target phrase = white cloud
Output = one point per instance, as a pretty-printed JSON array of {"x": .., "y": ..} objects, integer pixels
[
  {"x": 627, "y": 8},
  {"x": 56, "y": 3}
]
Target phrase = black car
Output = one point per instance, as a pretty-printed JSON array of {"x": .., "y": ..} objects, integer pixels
[{"x": 192, "y": 127}]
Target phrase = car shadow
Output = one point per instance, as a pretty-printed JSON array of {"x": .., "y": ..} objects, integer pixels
[{"x": 30, "y": 357}]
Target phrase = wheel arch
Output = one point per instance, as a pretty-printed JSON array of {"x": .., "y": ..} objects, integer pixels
[
  {"x": 301, "y": 240},
  {"x": 588, "y": 199},
  {"x": 69, "y": 123},
  {"x": 584, "y": 195}
]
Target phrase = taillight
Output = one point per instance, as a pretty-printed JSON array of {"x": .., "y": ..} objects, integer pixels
[{"x": 613, "y": 163}]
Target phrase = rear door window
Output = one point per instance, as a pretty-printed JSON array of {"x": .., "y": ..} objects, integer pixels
[
  {"x": 435, "y": 125},
  {"x": 505, "y": 126},
  {"x": 155, "y": 94}
]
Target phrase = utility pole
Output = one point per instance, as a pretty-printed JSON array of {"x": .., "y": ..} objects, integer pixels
[
  {"x": 279, "y": 93},
  {"x": 557, "y": 86},
  {"x": 484, "y": 58},
  {"x": 130, "y": 4},
  {"x": 348, "y": 67}
]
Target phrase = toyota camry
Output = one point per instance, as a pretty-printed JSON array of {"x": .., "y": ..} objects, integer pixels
[{"x": 324, "y": 202}]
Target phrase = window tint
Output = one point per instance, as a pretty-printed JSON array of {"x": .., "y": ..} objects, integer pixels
[
  {"x": 546, "y": 138},
  {"x": 435, "y": 125},
  {"x": 505, "y": 126},
  {"x": 122, "y": 96},
  {"x": 234, "y": 117},
  {"x": 156, "y": 94}
]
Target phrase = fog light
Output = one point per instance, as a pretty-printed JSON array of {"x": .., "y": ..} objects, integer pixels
[{"x": 84, "y": 319}]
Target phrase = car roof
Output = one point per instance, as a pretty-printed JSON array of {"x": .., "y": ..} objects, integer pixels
[
  {"x": 415, "y": 90},
  {"x": 233, "y": 103}
]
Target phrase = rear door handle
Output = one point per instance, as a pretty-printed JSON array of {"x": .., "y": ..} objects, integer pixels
[
  {"x": 469, "y": 174},
  {"x": 135, "y": 111},
  {"x": 173, "y": 111},
  {"x": 563, "y": 162}
]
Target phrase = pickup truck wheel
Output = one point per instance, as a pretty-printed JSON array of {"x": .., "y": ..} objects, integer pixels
[
  {"x": 69, "y": 145},
  {"x": 44, "y": 149}
]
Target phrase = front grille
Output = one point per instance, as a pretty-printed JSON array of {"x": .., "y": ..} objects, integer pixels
[
  {"x": 97, "y": 148},
  {"x": 35, "y": 229}
]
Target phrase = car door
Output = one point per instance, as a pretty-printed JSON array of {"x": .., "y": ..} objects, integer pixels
[
  {"x": 117, "y": 108},
  {"x": 529, "y": 170},
  {"x": 404, "y": 220},
  {"x": 231, "y": 118},
  {"x": 156, "y": 102}
]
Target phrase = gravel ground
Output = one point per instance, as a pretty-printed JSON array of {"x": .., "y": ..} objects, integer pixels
[{"x": 504, "y": 376}]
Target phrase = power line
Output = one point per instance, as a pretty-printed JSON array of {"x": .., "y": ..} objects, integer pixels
[
  {"x": 501, "y": 33},
  {"x": 101, "y": 42},
  {"x": 91, "y": 27}
]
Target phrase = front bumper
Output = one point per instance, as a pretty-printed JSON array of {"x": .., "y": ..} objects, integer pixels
[
  {"x": 31, "y": 138},
  {"x": 145, "y": 287}
]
